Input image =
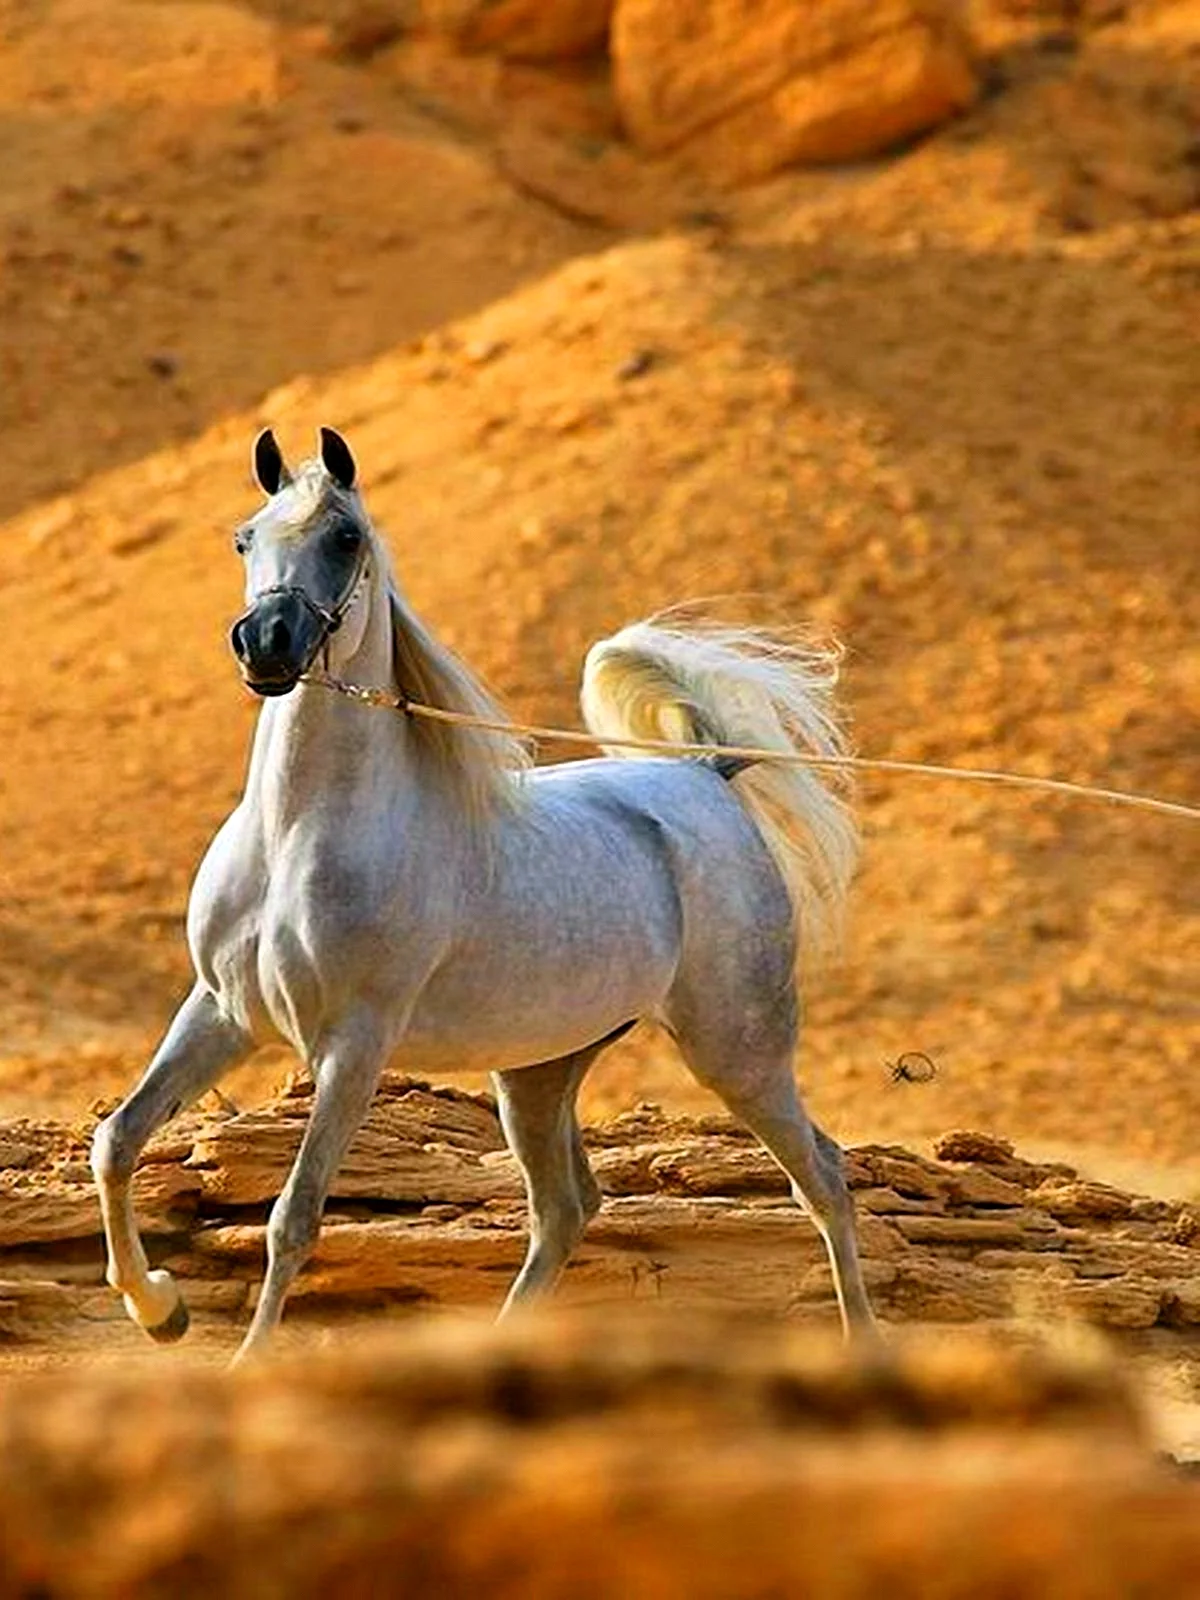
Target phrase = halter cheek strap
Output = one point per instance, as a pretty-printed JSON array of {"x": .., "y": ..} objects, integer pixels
[{"x": 330, "y": 618}]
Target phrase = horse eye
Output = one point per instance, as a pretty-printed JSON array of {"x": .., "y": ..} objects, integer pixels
[
  {"x": 241, "y": 542},
  {"x": 346, "y": 536}
]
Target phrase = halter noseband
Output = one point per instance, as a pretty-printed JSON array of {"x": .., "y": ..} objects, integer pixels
[{"x": 330, "y": 618}]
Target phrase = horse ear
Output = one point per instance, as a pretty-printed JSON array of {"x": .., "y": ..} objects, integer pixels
[
  {"x": 269, "y": 468},
  {"x": 339, "y": 463}
]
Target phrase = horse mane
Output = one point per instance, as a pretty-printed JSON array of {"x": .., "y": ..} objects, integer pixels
[{"x": 478, "y": 769}]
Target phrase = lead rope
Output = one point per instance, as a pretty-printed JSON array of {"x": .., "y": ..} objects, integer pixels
[{"x": 779, "y": 758}]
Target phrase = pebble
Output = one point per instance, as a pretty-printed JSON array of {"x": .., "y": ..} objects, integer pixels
[{"x": 637, "y": 365}]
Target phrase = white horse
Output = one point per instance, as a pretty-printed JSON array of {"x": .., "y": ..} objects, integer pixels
[{"x": 388, "y": 884}]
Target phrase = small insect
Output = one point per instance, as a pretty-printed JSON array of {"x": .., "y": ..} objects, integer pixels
[{"x": 914, "y": 1066}]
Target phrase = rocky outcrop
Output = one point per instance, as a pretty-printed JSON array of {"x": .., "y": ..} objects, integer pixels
[
  {"x": 523, "y": 30},
  {"x": 428, "y": 1209},
  {"x": 741, "y": 89},
  {"x": 203, "y": 55}
]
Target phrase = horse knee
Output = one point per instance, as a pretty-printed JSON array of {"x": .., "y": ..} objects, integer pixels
[{"x": 114, "y": 1154}]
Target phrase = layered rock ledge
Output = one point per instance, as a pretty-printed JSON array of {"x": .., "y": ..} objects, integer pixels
[{"x": 428, "y": 1210}]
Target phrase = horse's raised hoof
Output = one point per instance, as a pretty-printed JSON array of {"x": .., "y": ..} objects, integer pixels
[{"x": 174, "y": 1328}]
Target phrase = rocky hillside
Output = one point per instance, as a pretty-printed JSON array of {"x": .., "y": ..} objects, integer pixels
[{"x": 942, "y": 403}]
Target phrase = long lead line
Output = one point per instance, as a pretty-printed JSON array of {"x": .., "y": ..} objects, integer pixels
[{"x": 779, "y": 758}]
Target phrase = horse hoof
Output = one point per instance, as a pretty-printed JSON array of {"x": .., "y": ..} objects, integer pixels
[{"x": 174, "y": 1328}]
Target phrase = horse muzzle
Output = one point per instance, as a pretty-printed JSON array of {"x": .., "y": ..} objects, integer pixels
[{"x": 275, "y": 642}]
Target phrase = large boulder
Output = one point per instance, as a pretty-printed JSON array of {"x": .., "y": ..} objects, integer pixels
[
  {"x": 743, "y": 87},
  {"x": 524, "y": 30}
]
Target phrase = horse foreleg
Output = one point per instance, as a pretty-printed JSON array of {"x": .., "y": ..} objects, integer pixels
[
  {"x": 346, "y": 1074},
  {"x": 199, "y": 1046}
]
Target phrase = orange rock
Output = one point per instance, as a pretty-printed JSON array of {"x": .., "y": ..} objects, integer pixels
[
  {"x": 1181, "y": 1307},
  {"x": 962, "y": 1230},
  {"x": 1122, "y": 1303},
  {"x": 741, "y": 88},
  {"x": 524, "y": 30},
  {"x": 967, "y": 1145},
  {"x": 127, "y": 53},
  {"x": 985, "y": 1189},
  {"x": 1076, "y": 1202}
]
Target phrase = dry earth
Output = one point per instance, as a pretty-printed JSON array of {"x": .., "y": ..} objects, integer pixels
[{"x": 943, "y": 403}]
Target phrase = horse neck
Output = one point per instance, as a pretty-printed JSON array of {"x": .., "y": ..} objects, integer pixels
[{"x": 314, "y": 744}]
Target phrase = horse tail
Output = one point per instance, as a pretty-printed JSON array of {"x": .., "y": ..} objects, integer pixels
[{"x": 699, "y": 683}]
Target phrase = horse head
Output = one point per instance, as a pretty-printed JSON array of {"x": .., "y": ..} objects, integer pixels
[{"x": 307, "y": 553}]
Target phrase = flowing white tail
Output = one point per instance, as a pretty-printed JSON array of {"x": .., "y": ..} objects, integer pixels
[{"x": 706, "y": 684}]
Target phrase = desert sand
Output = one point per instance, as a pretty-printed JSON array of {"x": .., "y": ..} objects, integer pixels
[{"x": 938, "y": 400}]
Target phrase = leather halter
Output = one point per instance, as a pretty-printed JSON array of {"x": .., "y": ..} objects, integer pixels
[{"x": 329, "y": 618}]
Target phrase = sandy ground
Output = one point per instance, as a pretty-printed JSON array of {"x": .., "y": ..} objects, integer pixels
[{"x": 944, "y": 405}]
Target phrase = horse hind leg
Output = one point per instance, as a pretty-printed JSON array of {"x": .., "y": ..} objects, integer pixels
[
  {"x": 750, "y": 1069},
  {"x": 537, "y": 1114}
]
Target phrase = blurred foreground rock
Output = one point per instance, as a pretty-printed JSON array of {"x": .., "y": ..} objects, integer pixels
[
  {"x": 202, "y": 55},
  {"x": 524, "y": 30},
  {"x": 428, "y": 1210},
  {"x": 605, "y": 1456},
  {"x": 741, "y": 89}
]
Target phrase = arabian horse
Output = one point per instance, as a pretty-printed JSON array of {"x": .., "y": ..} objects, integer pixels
[{"x": 395, "y": 887}]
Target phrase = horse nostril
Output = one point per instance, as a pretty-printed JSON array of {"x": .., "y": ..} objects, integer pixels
[
  {"x": 237, "y": 639},
  {"x": 279, "y": 637}
]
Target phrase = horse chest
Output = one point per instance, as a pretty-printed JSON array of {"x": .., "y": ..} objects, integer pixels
[
  {"x": 273, "y": 931},
  {"x": 331, "y": 938}
]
